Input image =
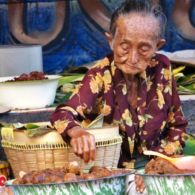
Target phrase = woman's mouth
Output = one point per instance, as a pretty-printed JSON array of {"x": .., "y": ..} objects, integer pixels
[{"x": 133, "y": 66}]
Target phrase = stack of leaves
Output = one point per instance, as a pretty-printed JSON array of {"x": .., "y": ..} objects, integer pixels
[
  {"x": 32, "y": 130},
  {"x": 185, "y": 80},
  {"x": 67, "y": 85},
  {"x": 41, "y": 128}
]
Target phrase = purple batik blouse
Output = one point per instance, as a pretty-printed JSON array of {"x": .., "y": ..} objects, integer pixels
[{"x": 157, "y": 123}]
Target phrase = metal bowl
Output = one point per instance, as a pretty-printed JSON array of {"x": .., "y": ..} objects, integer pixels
[
  {"x": 28, "y": 94},
  {"x": 170, "y": 184}
]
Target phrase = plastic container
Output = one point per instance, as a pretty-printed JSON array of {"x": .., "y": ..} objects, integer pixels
[
  {"x": 18, "y": 59},
  {"x": 28, "y": 94}
]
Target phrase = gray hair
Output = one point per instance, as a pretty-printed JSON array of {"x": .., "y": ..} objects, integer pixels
[{"x": 142, "y": 7}]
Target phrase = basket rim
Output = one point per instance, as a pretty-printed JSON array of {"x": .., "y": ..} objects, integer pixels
[{"x": 45, "y": 146}]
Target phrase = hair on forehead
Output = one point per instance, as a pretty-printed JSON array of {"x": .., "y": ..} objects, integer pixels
[{"x": 139, "y": 6}]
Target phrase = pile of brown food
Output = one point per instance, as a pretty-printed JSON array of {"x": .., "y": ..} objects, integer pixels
[
  {"x": 69, "y": 173},
  {"x": 162, "y": 166},
  {"x": 35, "y": 75}
]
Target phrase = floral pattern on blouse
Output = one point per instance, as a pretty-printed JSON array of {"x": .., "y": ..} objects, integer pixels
[{"x": 156, "y": 124}]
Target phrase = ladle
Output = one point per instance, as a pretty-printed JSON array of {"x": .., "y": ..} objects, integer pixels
[{"x": 183, "y": 163}]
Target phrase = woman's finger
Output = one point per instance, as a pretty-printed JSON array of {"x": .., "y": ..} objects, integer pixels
[
  {"x": 86, "y": 156},
  {"x": 92, "y": 147},
  {"x": 79, "y": 146},
  {"x": 73, "y": 143},
  {"x": 83, "y": 145}
]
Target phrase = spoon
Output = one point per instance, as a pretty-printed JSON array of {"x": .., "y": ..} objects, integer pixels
[{"x": 183, "y": 163}]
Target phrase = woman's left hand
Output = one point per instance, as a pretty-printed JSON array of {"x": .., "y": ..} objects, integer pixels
[{"x": 139, "y": 182}]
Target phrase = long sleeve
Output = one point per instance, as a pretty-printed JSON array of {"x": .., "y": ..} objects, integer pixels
[
  {"x": 175, "y": 126},
  {"x": 82, "y": 104}
]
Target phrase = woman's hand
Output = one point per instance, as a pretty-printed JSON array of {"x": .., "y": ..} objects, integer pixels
[
  {"x": 139, "y": 182},
  {"x": 83, "y": 143}
]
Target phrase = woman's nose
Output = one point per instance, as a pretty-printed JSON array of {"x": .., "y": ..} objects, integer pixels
[{"x": 133, "y": 57}]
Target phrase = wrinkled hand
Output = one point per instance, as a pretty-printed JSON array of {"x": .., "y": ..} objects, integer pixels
[
  {"x": 139, "y": 182},
  {"x": 83, "y": 143}
]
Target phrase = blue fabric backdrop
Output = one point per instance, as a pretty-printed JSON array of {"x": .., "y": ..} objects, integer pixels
[{"x": 81, "y": 40}]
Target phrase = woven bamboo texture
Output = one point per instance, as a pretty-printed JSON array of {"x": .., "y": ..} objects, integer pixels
[{"x": 28, "y": 157}]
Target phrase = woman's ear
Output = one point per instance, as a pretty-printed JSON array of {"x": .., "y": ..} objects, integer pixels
[
  {"x": 160, "y": 43},
  {"x": 110, "y": 39}
]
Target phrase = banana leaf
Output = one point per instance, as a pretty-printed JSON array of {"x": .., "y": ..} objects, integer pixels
[
  {"x": 31, "y": 126},
  {"x": 187, "y": 80},
  {"x": 32, "y": 129},
  {"x": 70, "y": 78},
  {"x": 190, "y": 87},
  {"x": 13, "y": 125},
  {"x": 178, "y": 76},
  {"x": 189, "y": 148},
  {"x": 186, "y": 90},
  {"x": 38, "y": 131},
  {"x": 61, "y": 98},
  {"x": 185, "y": 93},
  {"x": 68, "y": 87},
  {"x": 178, "y": 70},
  {"x": 97, "y": 122}
]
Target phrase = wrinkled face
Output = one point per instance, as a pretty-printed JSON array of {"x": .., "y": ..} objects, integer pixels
[{"x": 135, "y": 42}]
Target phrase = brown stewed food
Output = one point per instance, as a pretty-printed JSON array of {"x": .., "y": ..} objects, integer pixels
[
  {"x": 162, "y": 166},
  {"x": 35, "y": 75},
  {"x": 69, "y": 173}
]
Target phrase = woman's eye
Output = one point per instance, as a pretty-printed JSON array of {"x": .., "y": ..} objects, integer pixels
[
  {"x": 124, "y": 46},
  {"x": 144, "y": 49}
]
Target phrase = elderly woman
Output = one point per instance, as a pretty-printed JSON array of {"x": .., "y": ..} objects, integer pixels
[{"x": 133, "y": 88}]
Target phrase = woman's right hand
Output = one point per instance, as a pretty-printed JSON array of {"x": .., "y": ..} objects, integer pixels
[{"x": 83, "y": 143}]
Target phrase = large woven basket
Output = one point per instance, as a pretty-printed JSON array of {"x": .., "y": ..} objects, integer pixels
[{"x": 50, "y": 151}]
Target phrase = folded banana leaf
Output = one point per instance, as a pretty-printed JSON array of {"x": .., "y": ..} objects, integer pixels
[
  {"x": 190, "y": 87},
  {"x": 97, "y": 122},
  {"x": 178, "y": 70},
  {"x": 31, "y": 126},
  {"x": 38, "y": 131},
  {"x": 187, "y": 89},
  {"x": 61, "y": 98},
  {"x": 189, "y": 79},
  {"x": 70, "y": 78},
  {"x": 68, "y": 87},
  {"x": 13, "y": 126},
  {"x": 32, "y": 129},
  {"x": 178, "y": 76}
]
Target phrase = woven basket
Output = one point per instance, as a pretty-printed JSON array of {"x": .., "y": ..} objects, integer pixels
[{"x": 50, "y": 151}]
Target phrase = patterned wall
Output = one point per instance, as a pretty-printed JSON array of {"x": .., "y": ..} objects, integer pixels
[{"x": 72, "y": 31}]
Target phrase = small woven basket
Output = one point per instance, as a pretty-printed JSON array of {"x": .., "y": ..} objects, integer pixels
[{"x": 50, "y": 151}]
